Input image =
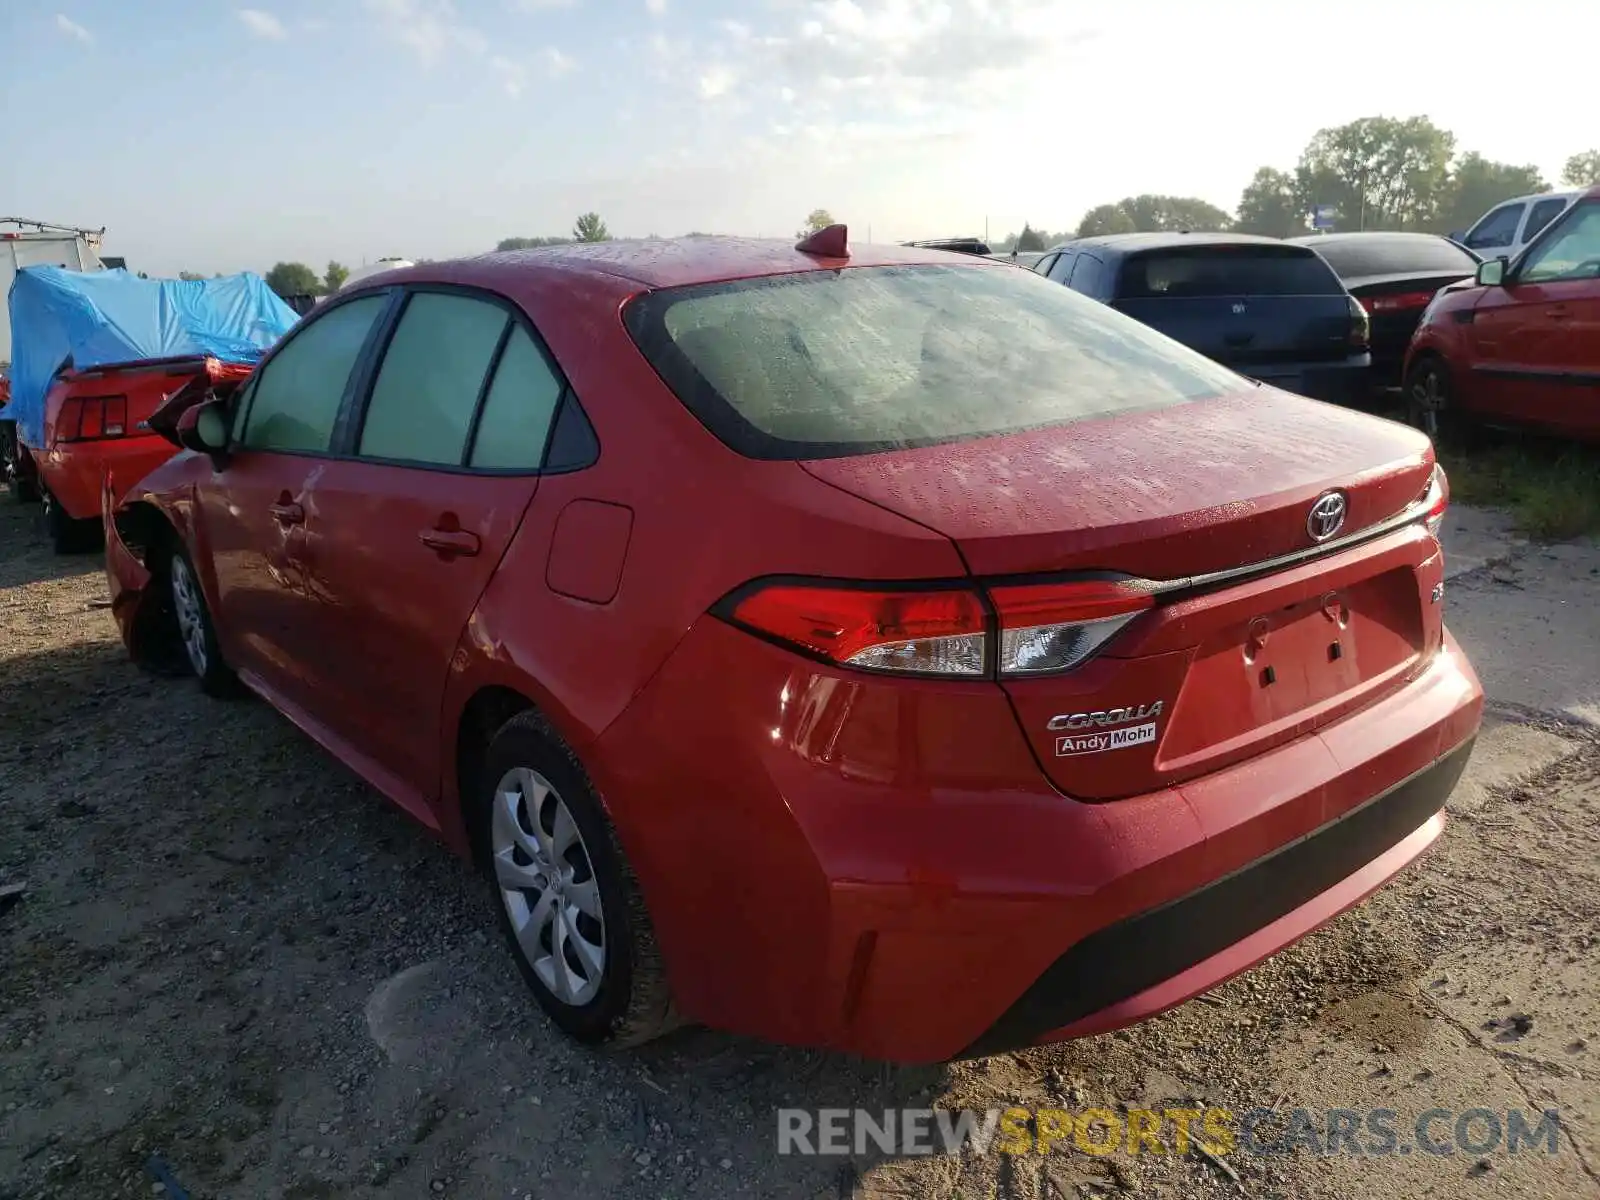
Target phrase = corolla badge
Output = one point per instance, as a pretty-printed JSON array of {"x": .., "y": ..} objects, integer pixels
[
  {"x": 1326, "y": 517},
  {"x": 1103, "y": 717}
]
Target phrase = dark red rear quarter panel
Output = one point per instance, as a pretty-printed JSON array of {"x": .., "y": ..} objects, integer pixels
[{"x": 705, "y": 520}]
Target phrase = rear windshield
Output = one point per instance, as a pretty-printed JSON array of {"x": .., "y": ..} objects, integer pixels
[
  {"x": 1238, "y": 270},
  {"x": 826, "y": 363},
  {"x": 1381, "y": 255}
]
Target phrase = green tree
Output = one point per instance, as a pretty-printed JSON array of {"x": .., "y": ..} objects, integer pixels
[
  {"x": 293, "y": 279},
  {"x": 1270, "y": 206},
  {"x": 190, "y": 276},
  {"x": 1380, "y": 172},
  {"x": 1106, "y": 218},
  {"x": 1582, "y": 170},
  {"x": 1478, "y": 184},
  {"x": 1029, "y": 241},
  {"x": 1151, "y": 213},
  {"x": 335, "y": 276},
  {"x": 820, "y": 218},
  {"x": 590, "y": 228}
]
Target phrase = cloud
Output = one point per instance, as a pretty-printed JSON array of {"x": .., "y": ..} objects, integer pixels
[
  {"x": 838, "y": 60},
  {"x": 541, "y": 5},
  {"x": 72, "y": 29},
  {"x": 429, "y": 27},
  {"x": 512, "y": 75},
  {"x": 655, "y": 7},
  {"x": 262, "y": 24},
  {"x": 718, "y": 81},
  {"x": 556, "y": 64}
]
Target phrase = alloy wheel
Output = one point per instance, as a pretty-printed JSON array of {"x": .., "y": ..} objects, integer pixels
[
  {"x": 186, "y": 604},
  {"x": 548, "y": 887},
  {"x": 1429, "y": 400}
]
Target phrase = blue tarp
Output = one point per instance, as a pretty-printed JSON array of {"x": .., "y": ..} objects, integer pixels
[{"x": 101, "y": 317}]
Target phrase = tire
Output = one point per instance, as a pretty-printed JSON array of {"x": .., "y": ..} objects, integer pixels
[
  {"x": 24, "y": 488},
  {"x": 1430, "y": 399},
  {"x": 67, "y": 534},
  {"x": 196, "y": 635},
  {"x": 622, "y": 1000}
]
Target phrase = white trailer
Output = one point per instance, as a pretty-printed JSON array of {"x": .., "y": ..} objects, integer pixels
[{"x": 26, "y": 243}]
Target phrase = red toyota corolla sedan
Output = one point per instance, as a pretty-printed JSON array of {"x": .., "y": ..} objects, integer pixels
[{"x": 872, "y": 648}]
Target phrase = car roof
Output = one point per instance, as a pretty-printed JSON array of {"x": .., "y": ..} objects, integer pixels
[
  {"x": 1164, "y": 240},
  {"x": 660, "y": 262},
  {"x": 1568, "y": 195}
]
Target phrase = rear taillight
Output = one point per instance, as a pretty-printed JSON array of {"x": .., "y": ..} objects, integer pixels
[
  {"x": 1398, "y": 303},
  {"x": 90, "y": 417},
  {"x": 1050, "y": 627},
  {"x": 1360, "y": 327},
  {"x": 1035, "y": 629},
  {"x": 935, "y": 632},
  {"x": 1437, "y": 499}
]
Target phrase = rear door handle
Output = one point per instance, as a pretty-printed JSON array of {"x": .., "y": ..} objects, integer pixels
[
  {"x": 288, "y": 513},
  {"x": 1558, "y": 312},
  {"x": 450, "y": 542}
]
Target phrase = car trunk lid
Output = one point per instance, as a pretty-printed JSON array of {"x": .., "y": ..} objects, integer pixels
[
  {"x": 1226, "y": 663},
  {"x": 1164, "y": 494}
]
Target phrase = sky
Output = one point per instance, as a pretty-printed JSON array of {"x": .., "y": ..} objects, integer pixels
[{"x": 212, "y": 137}]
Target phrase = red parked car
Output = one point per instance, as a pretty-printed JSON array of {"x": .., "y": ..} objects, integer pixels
[
  {"x": 1520, "y": 344},
  {"x": 98, "y": 422},
  {"x": 797, "y": 634}
]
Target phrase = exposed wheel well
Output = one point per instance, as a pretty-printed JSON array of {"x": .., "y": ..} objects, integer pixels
[
  {"x": 481, "y": 719},
  {"x": 149, "y": 536}
]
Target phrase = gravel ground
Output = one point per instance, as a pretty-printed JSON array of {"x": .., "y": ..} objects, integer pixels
[{"x": 233, "y": 954}]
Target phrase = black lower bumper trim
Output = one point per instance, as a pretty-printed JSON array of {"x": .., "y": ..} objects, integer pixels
[{"x": 1138, "y": 952}]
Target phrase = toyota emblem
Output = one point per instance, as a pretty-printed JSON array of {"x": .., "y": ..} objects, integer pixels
[{"x": 1326, "y": 517}]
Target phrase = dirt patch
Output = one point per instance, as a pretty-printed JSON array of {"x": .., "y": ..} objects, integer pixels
[{"x": 234, "y": 955}]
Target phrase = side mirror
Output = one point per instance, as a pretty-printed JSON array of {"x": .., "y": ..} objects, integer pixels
[
  {"x": 204, "y": 429},
  {"x": 1492, "y": 273}
]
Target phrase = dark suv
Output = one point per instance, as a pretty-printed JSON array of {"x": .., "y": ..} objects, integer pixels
[{"x": 1270, "y": 310}]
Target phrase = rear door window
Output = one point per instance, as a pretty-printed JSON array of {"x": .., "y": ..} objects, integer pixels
[
  {"x": 1226, "y": 270},
  {"x": 823, "y": 363},
  {"x": 295, "y": 402},
  {"x": 431, "y": 377},
  {"x": 1086, "y": 275},
  {"x": 518, "y": 409}
]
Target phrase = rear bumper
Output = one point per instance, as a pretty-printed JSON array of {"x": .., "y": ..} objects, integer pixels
[
  {"x": 1214, "y": 932},
  {"x": 74, "y": 471},
  {"x": 1337, "y": 382},
  {"x": 824, "y": 852}
]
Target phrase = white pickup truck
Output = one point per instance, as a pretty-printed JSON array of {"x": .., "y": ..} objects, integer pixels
[{"x": 25, "y": 243}]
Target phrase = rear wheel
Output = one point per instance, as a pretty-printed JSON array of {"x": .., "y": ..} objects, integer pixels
[
  {"x": 67, "y": 534},
  {"x": 24, "y": 490},
  {"x": 568, "y": 902},
  {"x": 196, "y": 634}
]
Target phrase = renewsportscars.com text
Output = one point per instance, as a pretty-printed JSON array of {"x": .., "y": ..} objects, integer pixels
[{"x": 1370, "y": 1132}]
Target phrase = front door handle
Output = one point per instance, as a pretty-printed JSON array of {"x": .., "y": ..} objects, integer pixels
[
  {"x": 450, "y": 542},
  {"x": 287, "y": 512},
  {"x": 1558, "y": 312}
]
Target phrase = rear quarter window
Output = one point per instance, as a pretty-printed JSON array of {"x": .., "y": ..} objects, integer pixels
[
  {"x": 1205, "y": 271},
  {"x": 825, "y": 363}
]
